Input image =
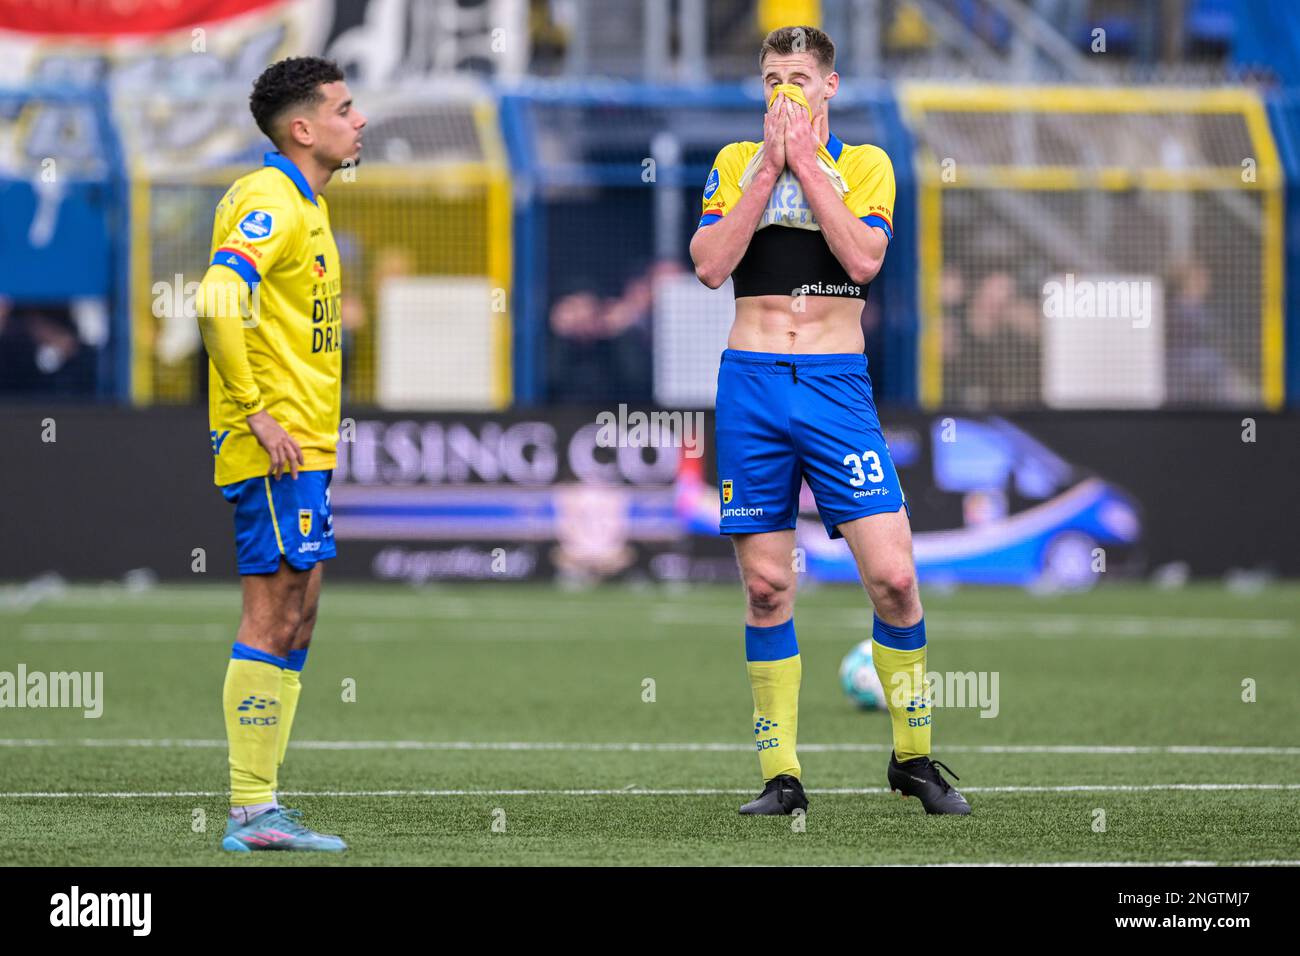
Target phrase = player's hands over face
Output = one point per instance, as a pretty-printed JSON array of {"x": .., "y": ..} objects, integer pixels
[
  {"x": 284, "y": 451},
  {"x": 774, "y": 124},
  {"x": 800, "y": 140}
]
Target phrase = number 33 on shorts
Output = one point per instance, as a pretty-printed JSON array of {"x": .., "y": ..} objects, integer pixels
[{"x": 859, "y": 477}]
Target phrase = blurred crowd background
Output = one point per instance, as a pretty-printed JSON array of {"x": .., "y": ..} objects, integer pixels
[{"x": 517, "y": 233}]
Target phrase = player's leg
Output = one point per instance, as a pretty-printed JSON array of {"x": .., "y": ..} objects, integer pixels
[
  {"x": 882, "y": 548},
  {"x": 252, "y": 697},
  {"x": 860, "y": 498},
  {"x": 278, "y": 543},
  {"x": 758, "y": 477},
  {"x": 774, "y": 667},
  {"x": 291, "y": 676},
  {"x": 311, "y": 540}
]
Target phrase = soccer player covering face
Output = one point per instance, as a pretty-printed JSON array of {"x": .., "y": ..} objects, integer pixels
[
  {"x": 801, "y": 223},
  {"x": 269, "y": 313}
]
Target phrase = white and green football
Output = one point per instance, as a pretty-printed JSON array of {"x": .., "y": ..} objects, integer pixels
[{"x": 859, "y": 679}]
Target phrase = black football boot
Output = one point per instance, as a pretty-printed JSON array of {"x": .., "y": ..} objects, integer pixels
[
  {"x": 783, "y": 794},
  {"x": 920, "y": 777}
]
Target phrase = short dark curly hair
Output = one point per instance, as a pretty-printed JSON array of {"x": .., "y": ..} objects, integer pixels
[{"x": 289, "y": 83}]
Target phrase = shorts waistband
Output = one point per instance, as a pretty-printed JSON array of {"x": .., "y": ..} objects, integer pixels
[{"x": 780, "y": 363}]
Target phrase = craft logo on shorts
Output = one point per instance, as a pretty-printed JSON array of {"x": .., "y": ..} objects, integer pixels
[
  {"x": 256, "y": 225},
  {"x": 726, "y": 492},
  {"x": 304, "y": 521}
]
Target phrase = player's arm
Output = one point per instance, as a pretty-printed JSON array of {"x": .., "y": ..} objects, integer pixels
[
  {"x": 222, "y": 301},
  {"x": 226, "y": 299},
  {"x": 718, "y": 249},
  {"x": 859, "y": 246}
]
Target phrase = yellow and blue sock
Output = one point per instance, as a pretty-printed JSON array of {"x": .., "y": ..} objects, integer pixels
[
  {"x": 772, "y": 656},
  {"x": 290, "y": 691},
  {"x": 899, "y": 656},
  {"x": 251, "y": 700}
]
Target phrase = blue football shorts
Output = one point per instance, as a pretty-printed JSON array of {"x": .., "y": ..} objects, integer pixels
[
  {"x": 282, "y": 518},
  {"x": 781, "y": 419}
]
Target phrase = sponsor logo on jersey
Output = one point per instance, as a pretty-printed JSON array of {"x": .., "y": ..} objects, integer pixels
[
  {"x": 711, "y": 186},
  {"x": 218, "y": 439},
  {"x": 318, "y": 267},
  {"x": 256, "y": 225},
  {"x": 829, "y": 288},
  {"x": 726, "y": 492}
]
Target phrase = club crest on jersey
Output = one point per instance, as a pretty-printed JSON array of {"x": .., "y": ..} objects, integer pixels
[
  {"x": 304, "y": 521},
  {"x": 726, "y": 492},
  {"x": 256, "y": 225},
  {"x": 711, "y": 186}
]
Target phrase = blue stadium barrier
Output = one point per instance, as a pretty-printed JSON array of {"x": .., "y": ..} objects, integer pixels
[
  {"x": 1284, "y": 116},
  {"x": 87, "y": 253},
  {"x": 1267, "y": 37}
]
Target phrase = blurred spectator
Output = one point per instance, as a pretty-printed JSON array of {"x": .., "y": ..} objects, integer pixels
[
  {"x": 548, "y": 35},
  {"x": 64, "y": 364},
  {"x": 17, "y": 352},
  {"x": 907, "y": 30},
  {"x": 1197, "y": 369},
  {"x": 993, "y": 357},
  {"x": 600, "y": 348},
  {"x": 41, "y": 352}
]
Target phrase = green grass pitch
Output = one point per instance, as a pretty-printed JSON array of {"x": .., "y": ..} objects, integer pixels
[{"x": 524, "y": 706}]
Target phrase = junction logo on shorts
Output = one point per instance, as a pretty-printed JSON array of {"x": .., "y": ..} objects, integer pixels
[
  {"x": 304, "y": 521},
  {"x": 726, "y": 492},
  {"x": 256, "y": 225}
]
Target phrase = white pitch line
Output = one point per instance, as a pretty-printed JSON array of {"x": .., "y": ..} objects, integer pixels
[
  {"x": 379, "y": 622},
  {"x": 481, "y": 634},
  {"x": 640, "y": 792},
  {"x": 983, "y": 624},
  {"x": 634, "y": 747}
]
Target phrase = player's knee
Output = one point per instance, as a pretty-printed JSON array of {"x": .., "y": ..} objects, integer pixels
[
  {"x": 768, "y": 593},
  {"x": 895, "y": 590},
  {"x": 281, "y": 630}
]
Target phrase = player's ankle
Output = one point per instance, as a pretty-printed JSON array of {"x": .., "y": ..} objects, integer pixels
[{"x": 242, "y": 815}]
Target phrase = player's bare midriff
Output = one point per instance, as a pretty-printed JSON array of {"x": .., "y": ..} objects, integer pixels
[{"x": 821, "y": 324}]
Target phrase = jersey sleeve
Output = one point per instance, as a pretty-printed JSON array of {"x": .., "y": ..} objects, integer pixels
[
  {"x": 221, "y": 310},
  {"x": 871, "y": 189},
  {"x": 722, "y": 189},
  {"x": 261, "y": 230}
]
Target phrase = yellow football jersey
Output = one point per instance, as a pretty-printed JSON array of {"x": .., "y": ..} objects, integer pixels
[
  {"x": 866, "y": 169},
  {"x": 272, "y": 233}
]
